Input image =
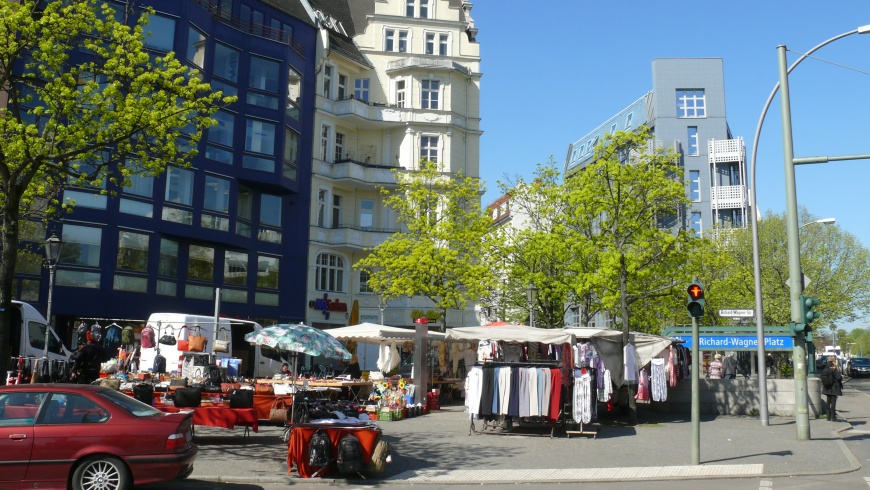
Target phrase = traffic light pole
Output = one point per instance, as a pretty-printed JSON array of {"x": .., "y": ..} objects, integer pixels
[
  {"x": 696, "y": 398},
  {"x": 799, "y": 354}
]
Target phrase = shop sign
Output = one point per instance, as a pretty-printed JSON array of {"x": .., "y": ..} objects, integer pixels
[{"x": 326, "y": 305}]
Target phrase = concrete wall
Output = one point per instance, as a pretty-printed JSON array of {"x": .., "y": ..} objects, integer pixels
[{"x": 740, "y": 397}]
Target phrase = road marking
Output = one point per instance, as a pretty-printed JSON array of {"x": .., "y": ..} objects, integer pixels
[
  {"x": 578, "y": 474},
  {"x": 765, "y": 484}
]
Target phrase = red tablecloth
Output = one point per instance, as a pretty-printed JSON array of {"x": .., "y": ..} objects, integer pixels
[
  {"x": 224, "y": 417},
  {"x": 300, "y": 436}
]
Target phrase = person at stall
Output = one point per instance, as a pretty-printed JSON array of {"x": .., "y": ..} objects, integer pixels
[
  {"x": 285, "y": 370},
  {"x": 353, "y": 368},
  {"x": 86, "y": 360}
]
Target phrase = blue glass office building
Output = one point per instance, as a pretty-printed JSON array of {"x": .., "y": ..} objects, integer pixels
[{"x": 237, "y": 219}]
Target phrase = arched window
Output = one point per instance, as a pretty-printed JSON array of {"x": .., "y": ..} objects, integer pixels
[{"x": 330, "y": 273}]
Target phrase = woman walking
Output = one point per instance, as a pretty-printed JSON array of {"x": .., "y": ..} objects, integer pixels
[{"x": 832, "y": 386}]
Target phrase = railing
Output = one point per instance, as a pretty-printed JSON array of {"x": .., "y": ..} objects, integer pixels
[
  {"x": 728, "y": 196},
  {"x": 260, "y": 30}
]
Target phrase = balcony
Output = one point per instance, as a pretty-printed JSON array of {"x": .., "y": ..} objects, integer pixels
[
  {"x": 413, "y": 62},
  {"x": 723, "y": 151},
  {"x": 350, "y": 237},
  {"x": 364, "y": 174},
  {"x": 728, "y": 197},
  {"x": 373, "y": 115}
]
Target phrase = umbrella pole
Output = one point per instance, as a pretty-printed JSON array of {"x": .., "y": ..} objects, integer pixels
[{"x": 295, "y": 377}]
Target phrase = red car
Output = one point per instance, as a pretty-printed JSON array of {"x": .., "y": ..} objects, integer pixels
[{"x": 87, "y": 437}]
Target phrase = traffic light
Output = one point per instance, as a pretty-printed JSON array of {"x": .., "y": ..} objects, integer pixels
[
  {"x": 807, "y": 313},
  {"x": 695, "y": 302}
]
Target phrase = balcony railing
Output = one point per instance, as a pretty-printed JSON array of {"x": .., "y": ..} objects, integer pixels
[
  {"x": 260, "y": 30},
  {"x": 728, "y": 196},
  {"x": 352, "y": 236}
]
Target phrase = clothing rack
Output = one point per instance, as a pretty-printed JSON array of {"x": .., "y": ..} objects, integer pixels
[
  {"x": 25, "y": 368},
  {"x": 569, "y": 418}
]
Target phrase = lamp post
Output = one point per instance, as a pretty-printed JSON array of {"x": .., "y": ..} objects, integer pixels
[
  {"x": 756, "y": 260},
  {"x": 382, "y": 305},
  {"x": 53, "y": 246},
  {"x": 531, "y": 295}
]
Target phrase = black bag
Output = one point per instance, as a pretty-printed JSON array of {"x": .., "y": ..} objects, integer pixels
[
  {"x": 159, "y": 364},
  {"x": 214, "y": 375},
  {"x": 168, "y": 338},
  {"x": 319, "y": 449},
  {"x": 144, "y": 392},
  {"x": 178, "y": 383},
  {"x": 350, "y": 458},
  {"x": 827, "y": 378},
  {"x": 242, "y": 399},
  {"x": 188, "y": 397}
]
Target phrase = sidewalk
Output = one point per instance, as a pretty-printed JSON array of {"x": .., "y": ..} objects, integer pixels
[{"x": 436, "y": 448}]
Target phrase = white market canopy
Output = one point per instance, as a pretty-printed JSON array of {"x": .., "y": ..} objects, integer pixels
[
  {"x": 608, "y": 343},
  {"x": 373, "y": 333},
  {"x": 511, "y": 333}
]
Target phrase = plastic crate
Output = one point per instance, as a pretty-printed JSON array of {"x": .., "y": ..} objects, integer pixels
[{"x": 386, "y": 416}]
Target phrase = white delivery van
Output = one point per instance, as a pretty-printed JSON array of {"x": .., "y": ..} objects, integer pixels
[
  {"x": 28, "y": 337},
  {"x": 254, "y": 361}
]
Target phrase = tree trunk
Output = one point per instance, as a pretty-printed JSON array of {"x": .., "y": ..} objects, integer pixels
[
  {"x": 623, "y": 312},
  {"x": 9, "y": 229}
]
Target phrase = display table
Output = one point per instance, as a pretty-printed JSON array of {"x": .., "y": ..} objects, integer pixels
[
  {"x": 225, "y": 417},
  {"x": 447, "y": 386},
  {"x": 263, "y": 404},
  {"x": 331, "y": 388},
  {"x": 300, "y": 436}
]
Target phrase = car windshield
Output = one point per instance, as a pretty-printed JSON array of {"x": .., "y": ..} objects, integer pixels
[
  {"x": 862, "y": 361},
  {"x": 129, "y": 403}
]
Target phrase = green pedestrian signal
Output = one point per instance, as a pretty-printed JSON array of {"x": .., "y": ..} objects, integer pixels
[{"x": 695, "y": 302}]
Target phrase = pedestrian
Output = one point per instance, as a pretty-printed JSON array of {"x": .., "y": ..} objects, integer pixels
[
  {"x": 715, "y": 371},
  {"x": 87, "y": 360},
  {"x": 832, "y": 386},
  {"x": 729, "y": 366}
]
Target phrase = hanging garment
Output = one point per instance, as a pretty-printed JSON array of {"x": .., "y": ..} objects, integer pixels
[
  {"x": 582, "y": 406},
  {"x": 514, "y": 401},
  {"x": 658, "y": 380},
  {"x": 473, "y": 386},
  {"x": 504, "y": 389},
  {"x": 486, "y": 393},
  {"x": 524, "y": 396},
  {"x": 513, "y": 352},
  {"x": 545, "y": 379},
  {"x": 496, "y": 390},
  {"x": 629, "y": 362},
  {"x": 607, "y": 386},
  {"x": 534, "y": 405},
  {"x": 484, "y": 351},
  {"x": 556, "y": 396},
  {"x": 643, "y": 387}
]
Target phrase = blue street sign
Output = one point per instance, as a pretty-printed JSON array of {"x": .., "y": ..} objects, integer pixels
[{"x": 737, "y": 342}]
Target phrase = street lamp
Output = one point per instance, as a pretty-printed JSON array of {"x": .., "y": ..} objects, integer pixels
[
  {"x": 531, "y": 295},
  {"x": 823, "y": 221},
  {"x": 53, "y": 246},
  {"x": 382, "y": 305},
  {"x": 802, "y": 415}
]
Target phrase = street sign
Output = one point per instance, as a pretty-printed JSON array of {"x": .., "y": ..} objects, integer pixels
[
  {"x": 804, "y": 284},
  {"x": 733, "y": 313}
]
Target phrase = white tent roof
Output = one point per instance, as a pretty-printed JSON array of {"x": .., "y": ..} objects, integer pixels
[
  {"x": 373, "y": 333},
  {"x": 608, "y": 343},
  {"x": 511, "y": 333}
]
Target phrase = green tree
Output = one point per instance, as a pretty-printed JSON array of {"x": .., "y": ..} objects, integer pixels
[
  {"x": 444, "y": 255},
  {"x": 835, "y": 261},
  {"x": 84, "y": 104}
]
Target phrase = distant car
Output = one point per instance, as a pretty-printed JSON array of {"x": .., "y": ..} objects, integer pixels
[
  {"x": 89, "y": 437},
  {"x": 860, "y": 366}
]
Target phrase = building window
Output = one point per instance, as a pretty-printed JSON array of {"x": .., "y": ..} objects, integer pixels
[
  {"x": 430, "y": 43},
  {"x": 168, "y": 263},
  {"x": 336, "y": 211},
  {"x": 424, "y": 9},
  {"x": 327, "y": 80},
  {"x": 628, "y": 120},
  {"x": 400, "y": 93},
  {"x": 260, "y": 137},
  {"x": 140, "y": 185},
  {"x": 693, "y": 141},
  {"x": 329, "y": 275},
  {"x": 342, "y": 86},
  {"x": 430, "y": 94},
  {"x": 321, "y": 207},
  {"x": 132, "y": 251},
  {"x": 216, "y": 196},
  {"x": 253, "y": 18},
  {"x": 179, "y": 186},
  {"x": 403, "y": 41},
  {"x": 696, "y": 224},
  {"x": 324, "y": 141},
  {"x": 291, "y": 153},
  {"x": 443, "y": 44},
  {"x": 294, "y": 85},
  {"x": 244, "y": 211},
  {"x": 339, "y": 146},
  {"x": 263, "y": 75},
  {"x": 366, "y": 214},
  {"x": 160, "y": 33},
  {"x": 226, "y": 63},
  {"x": 281, "y": 31},
  {"x": 267, "y": 272},
  {"x": 222, "y": 132},
  {"x": 389, "y": 40},
  {"x": 429, "y": 148},
  {"x": 361, "y": 89},
  {"x": 364, "y": 282},
  {"x": 695, "y": 185},
  {"x": 200, "y": 264},
  {"x": 195, "y": 47},
  {"x": 236, "y": 268},
  {"x": 410, "y": 8},
  {"x": 81, "y": 245},
  {"x": 691, "y": 103},
  {"x": 270, "y": 210}
]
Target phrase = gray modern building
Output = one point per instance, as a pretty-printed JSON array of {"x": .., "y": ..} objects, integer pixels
[{"x": 685, "y": 110}]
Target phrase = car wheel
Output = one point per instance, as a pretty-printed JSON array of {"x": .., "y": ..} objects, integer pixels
[{"x": 101, "y": 473}]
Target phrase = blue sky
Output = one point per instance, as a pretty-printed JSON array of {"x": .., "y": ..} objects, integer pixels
[{"x": 553, "y": 70}]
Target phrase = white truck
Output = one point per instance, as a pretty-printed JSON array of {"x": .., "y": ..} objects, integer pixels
[
  {"x": 28, "y": 339},
  {"x": 254, "y": 361}
]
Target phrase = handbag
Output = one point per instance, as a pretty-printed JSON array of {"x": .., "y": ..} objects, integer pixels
[
  {"x": 264, "y": 389},
  {"x": 278, "y": 411},
  {"x": 174, "y": 384},
  {"x": 222, "y": 345},
  {"x": 227, "y": 388},
  {"x": 169, "y": 337},
  {"x": 188, "y": 397},
  {"x": 242, "y": 399},
  {"x": 197, "y": 342},
  {"x": 111, "y": 383},
  {"x": 144, "y": 392},
  {"x": 182, "y": 345}
]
